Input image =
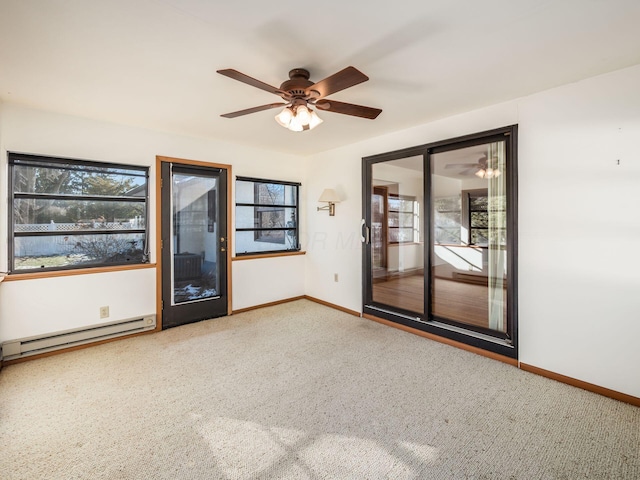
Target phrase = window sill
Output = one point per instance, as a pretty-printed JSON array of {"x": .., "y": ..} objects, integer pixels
[
  {"x": 268, "y": 255},
  {"x": 79, "y": 271}
]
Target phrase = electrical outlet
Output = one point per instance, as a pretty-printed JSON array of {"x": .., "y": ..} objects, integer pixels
[
  {"x": 335, "y": 277},
  {"x": 104, "y": 312}
]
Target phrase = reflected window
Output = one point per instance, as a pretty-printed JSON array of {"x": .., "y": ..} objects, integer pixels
[
  {"x": 447, "y": 215},
  {"x": 403, "y": 218}
]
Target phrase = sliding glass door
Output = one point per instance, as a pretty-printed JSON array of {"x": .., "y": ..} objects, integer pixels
[
  {"x": 395, "y": 273},
  {"x": 440, "y": 248}
]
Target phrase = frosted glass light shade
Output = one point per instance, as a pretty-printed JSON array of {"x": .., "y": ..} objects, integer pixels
[
  {"x": 314, "y": 120},
  {"x": 284, "y": 117},
  {"x": 302, "y": 114},
  {"x": 295, "y": 125},
  {"x": 298, "y": 118}
]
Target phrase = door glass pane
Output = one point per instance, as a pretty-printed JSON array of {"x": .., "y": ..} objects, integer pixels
[
  {"x": 397, "y": 239},
  {"x": 469, "y": 254},
  {"x": 195, "y": 238}
]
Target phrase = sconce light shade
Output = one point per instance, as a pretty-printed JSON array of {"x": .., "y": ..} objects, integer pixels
[{"x": 329, "y": 196}]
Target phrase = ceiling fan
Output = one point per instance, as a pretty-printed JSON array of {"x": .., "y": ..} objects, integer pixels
[
  {"x": 479, "y": 169},
  {"x": 299, "y": 93}
]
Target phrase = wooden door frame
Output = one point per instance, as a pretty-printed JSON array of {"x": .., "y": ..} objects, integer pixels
[{"x": 183, "y": 161}]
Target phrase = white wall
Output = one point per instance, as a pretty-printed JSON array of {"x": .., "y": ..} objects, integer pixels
[
  {"x": 35, "y": 307},
  {"x": 579, "y": 223},
  {"x": 47, "y": 305},
  {"x": 580, "y": 229},
  {"x": 253, "y": 280}
]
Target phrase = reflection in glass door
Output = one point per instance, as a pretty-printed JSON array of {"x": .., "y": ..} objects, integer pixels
[
  {"x": 379, "y": 229},
  {"x": 469, "y": 251},
  {"x": 195, "y": 239},
  {"x": 194, "y": 243},
  {"x": 396, "y": 235}
]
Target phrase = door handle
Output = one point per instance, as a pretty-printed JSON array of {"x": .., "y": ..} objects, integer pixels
[
  {"x": 365, "y": 235},
  {"x": 222, "y": 249}
]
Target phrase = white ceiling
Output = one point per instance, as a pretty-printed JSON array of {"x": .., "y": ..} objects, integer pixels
[{"x": 152, "y": 63}]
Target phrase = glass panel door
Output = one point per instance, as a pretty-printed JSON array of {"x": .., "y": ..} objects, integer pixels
[
  {"x": 469, "y": 251},
  {"x": 194, "y": 243},
  {"x": 396, "y": 261}
]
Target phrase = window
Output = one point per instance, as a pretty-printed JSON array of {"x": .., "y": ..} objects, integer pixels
[
  {"x": 266, "y": 216},
  {"x": 67, "y": 214},
  {"x": 403, "y": 225},
  {"x": 447, "y": 221},
  {"x": 483, "y": 217},
  {"x": 465, "y": 219}
]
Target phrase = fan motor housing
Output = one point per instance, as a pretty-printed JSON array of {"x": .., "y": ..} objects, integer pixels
[{"x": 298, "y": 82}]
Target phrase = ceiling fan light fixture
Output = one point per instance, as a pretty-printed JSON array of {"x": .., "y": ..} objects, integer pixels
[
  {"x": 295, "y": 125},
  {"x": 284, "y": 117},
  {"x": 303, "y": 115},
  {"x": 297, "y": 118},
  {"x": 488, "y": 173},
  {"x": 299, "y": 92},
  {"x": 314, "y": 120}
]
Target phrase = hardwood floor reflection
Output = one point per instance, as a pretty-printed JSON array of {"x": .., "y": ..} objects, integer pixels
[
  {"x": 405, "y": 292},
  {"x": 460, "y": 301}
]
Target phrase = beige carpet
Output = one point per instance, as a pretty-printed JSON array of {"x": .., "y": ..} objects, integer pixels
[{"x": 302, "y": 391}]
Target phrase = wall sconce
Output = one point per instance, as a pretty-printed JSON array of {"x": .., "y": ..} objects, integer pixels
[{"x": 329, "y": 196}]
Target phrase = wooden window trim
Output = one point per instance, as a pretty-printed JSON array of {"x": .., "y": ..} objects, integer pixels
[
  {"x": 76, "y": 271},
  {"x": 268, "y": 255}
]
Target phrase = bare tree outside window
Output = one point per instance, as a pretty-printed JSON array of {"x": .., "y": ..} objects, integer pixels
[
  {"x": 76, "y": 214},
  {"x": 266, "y": 210}
]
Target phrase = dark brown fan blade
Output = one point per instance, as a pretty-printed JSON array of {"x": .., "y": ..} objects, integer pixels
[
  {"x": 241, "y": 77},
  {"x": 252, "y": 110},
  {"x": 346, "y": 78},
  {"x": 348, "y": 109}
]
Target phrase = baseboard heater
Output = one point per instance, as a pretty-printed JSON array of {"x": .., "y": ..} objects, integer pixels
[{"x": 25, "y": 347}]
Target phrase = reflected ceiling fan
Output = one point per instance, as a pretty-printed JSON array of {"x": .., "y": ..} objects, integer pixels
[
  {"x": 299, "y": 94},
  {"x": 480, "y": 169}
]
